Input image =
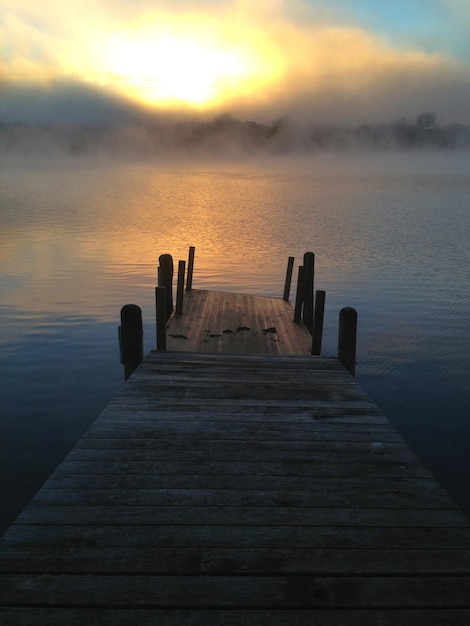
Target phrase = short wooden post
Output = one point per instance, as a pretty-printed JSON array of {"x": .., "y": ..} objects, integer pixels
[
  {"x": 189, "y": 278},
  {"x": 180, "y": 287},
  {"x": 161, "y": 318},
  {"x": 165, "y": 279},
  {"x": 318, "y": 322},
  {"x": 287, "y": 284},
  {"x": 131, "y": 338},
  {"x": 299, "y": 296},
  {"x": 309, "y": 265},
  {"x": 347, "y": 334}
]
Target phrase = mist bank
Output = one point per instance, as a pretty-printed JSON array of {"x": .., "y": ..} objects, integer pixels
[{"x": 225, "y": 135}]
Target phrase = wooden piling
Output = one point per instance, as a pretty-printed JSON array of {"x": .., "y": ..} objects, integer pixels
[
  {"x": 347, "y": 333},
  {"x": 180, "y": 287},
  {"x": 318, "y": 322},
  {"x": 308, "y": 281},
  {"x": 189, "y": 278},
  {"x": 131, "y": 338},
  {"x": 161, "y": 319},
  {"x": 299, "y": 296},
  {"x": 287, "y": 284},
  {"x": 165, "y": 279}
]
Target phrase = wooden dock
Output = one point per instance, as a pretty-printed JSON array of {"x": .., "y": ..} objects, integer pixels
[
  {"x": 232, "y": 488},
  {"x": 233, "y": 323}
]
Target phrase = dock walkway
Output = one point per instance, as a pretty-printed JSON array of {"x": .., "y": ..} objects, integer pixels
[
  {"x": 255, "y": 489},
  {"x": 234, "y": 323}
]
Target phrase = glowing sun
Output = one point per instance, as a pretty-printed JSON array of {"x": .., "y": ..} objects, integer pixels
[{"x": 168, "y": 70}]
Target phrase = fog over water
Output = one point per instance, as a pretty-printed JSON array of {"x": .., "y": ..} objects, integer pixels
[
  {"x": 225, "y": 135},
  {"x": 81, "y": 233}
]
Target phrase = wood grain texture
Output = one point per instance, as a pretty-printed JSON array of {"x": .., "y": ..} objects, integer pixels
[
  {"x": 238, "y": 489},
  {"x": 217, "y": 321}
]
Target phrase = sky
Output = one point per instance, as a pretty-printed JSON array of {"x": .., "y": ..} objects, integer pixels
[{"x": 312, "y": 61}]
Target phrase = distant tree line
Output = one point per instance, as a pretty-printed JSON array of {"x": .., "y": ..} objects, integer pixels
[
  {"x": 229, "y": 135},
  {"x": 425, "y": 132}
]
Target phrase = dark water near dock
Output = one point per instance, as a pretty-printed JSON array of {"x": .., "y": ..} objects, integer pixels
[{"x": 81, "y": 238}]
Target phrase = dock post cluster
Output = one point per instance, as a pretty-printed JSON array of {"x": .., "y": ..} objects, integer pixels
[{"x": 308, "y": 311}]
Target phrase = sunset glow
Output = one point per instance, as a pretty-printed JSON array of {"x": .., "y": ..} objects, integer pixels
[
  {"x": 168, "y": 70},
  {"x": 194, "y": 61},
  {"x": 298, "y": 58}
]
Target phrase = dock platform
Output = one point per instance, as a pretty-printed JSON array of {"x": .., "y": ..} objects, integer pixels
[
  {"x": 238, "y": 488},
  {"x": 235, "y": 323}
]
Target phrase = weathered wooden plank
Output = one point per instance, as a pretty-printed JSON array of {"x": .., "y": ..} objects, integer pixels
[
  {"x": 251, "y": 359},
  {"x": 200, "y": 365},
  {"x": 95, "y": 508},
  {"x": 333, "y": 451},
  {"x": 237, "y": 467},
  {"x": 132, "y": 461},
  {"x": 258, "y": 364},
  {"x": 234, "y": 440},
  {"x": 322, "y": 411},
  {"x": 242, "y": 591},
  {"x": 227, "y": 430},
  {"x": 420, "y": 487},
  {"x": 319, "y": 409},
  {"x": 141, "y": 380},
  {"x": 177, "y": 617},
  {"x": 185, "y": 491},
  {"x": 329, "y": 420},
  {"x": 157, "y": 560},
  {"x": 236, "y": 536},
  {"x": 241, "y": 395},
  {"x": 195, "y": 359}
]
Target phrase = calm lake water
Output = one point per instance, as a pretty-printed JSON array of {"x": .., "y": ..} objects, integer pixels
[{"x": 80, "y": 238}]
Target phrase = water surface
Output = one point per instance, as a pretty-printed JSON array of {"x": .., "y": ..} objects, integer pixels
[{"x": 80, "y": 238}]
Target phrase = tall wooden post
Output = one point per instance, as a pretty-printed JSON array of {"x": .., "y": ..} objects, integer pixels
[
  {"x": 299, "y": 296},
  {"x": 165, "y": 279},
  {"x": 347, "y": 334},
  {"x": 287, "y": 284},
  {"x": 161, "y": 318},
  {"x": 309, "y": 265},
  {"x": 318, "y": 322},
  {"x": 131, "y": 338},
  {"x": 180, "y": 287},
  {"x": 189, "y": 278}
]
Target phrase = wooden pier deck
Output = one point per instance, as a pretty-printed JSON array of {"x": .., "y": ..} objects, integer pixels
[
  {"x": 234, "y": 323},
  {"x": 226, "y": 489}
]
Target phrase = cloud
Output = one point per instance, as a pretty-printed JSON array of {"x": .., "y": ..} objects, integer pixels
[
  {"x": 65, "y": 102},
  {"x": 346, "y": 73},
  {"x": 273, "y": 58}
]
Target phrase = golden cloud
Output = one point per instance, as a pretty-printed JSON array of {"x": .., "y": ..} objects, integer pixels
[{"x": 236, "y": 57}]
